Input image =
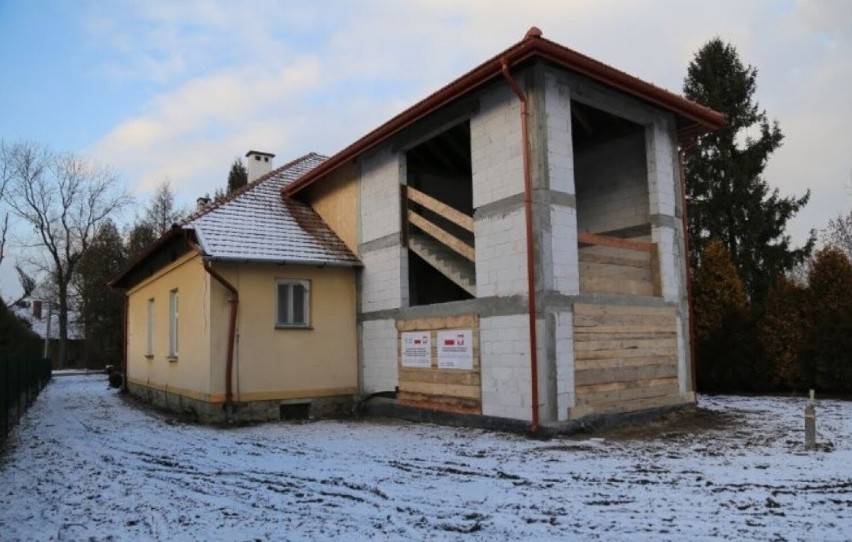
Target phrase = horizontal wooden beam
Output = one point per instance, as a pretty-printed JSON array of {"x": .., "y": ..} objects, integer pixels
[
  {"x": 453, "y": 215},
  {"x": 442, "y": 235},
  {"x": 614, "y": 242}
]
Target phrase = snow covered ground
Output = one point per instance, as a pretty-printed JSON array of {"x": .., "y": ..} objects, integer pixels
[{"x": 86, "y": 464}]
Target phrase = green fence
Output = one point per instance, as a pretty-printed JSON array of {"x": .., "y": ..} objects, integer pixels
[{"x": 21, "y": 380}]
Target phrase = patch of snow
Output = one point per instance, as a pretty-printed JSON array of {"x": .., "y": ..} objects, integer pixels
[{"x": 85, "y": 464}]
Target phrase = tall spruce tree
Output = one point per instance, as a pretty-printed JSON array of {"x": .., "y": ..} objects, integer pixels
[
  {"x": 100, "y": 307},
  {"x": 727, "y": 196},
  {"x": 238, "y": 176},
  {"x": 140, "y": 238}
]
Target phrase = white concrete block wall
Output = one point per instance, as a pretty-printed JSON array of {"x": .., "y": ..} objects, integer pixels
[
  {"x": 495, "y": 147},
  {"x": 563, "y": 238},
  {"x": 671, "y": 262},
  {"x": 505, "y": 367},
  {"x": 501, "y": 268},
  {"x": 380, "y": 211},
  {"x": 379, "y": 364},
  {"x": 560, "y": 154},
  {"x": 661, "y": 174},
  {"x": 612, "y": 185},
  {"x": 565, "y": 393},
  {"x": 382, "y": 283}
]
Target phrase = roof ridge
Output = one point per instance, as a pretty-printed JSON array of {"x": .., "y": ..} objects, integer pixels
[
  {"x": 533, "y": 44},
  {"x": 213, "y": 205}
]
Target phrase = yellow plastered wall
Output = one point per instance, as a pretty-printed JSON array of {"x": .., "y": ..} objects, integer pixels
[
  {"x": 188, "y": 373},
  {"x": 335, "y": 199},
  {"x": 275, "y": 363}
]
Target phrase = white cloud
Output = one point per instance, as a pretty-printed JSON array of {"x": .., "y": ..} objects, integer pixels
[{"x": 292, "y": 77}]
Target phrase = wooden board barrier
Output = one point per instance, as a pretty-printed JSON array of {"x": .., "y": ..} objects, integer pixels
[
  {"x": 625, "y": 357},
  {"x": 435, "y": 388}
]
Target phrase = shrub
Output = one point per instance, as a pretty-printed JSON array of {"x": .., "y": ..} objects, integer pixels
[
  {"x": 829, "y": 308},
  {"x": 783, "y": 332}
]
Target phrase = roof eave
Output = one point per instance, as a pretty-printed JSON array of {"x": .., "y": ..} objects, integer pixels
[
  {"x": 173, "y": 232},
  {"x": 703, "y": 118},
  {"x": 310, "y": 263}
]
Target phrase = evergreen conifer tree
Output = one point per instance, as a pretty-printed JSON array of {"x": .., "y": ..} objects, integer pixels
[
  {"x": 238, "y": 176},
  {"x": 141, "y": 236},
  {"x": 727, "y": 196},
  {"x": 101, "y": 308}
]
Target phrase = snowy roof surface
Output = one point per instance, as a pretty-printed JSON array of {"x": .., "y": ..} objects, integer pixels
[
  {"x": 257, "y": 224},
  {"x": 39, "y": 325}
]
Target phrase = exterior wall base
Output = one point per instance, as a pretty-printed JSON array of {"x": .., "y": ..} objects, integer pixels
[
  {"x": 380, "y": 406},
  {"x": 250, "y": 411}
]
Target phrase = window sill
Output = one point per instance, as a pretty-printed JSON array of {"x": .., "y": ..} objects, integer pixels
[
  {"x": 149, "y": 357},
  {"x": 303, "y": 328},
  {"x": 172, "y": 359}
]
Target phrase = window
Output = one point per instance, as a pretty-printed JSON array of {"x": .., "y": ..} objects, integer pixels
[
  {"x": 149, "y": 345},
  {"x": 293, "y": 303},
  {"x": 174, "y": 309}
]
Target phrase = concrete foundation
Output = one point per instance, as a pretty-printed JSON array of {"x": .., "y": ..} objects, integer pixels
[{"x": 253, "y": 411}]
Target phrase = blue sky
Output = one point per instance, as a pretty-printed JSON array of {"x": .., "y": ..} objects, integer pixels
[{"x": 163, "y": 89}]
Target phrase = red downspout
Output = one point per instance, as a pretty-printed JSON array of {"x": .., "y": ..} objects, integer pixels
[
  {"x": 232, "y": 325},
  {"x": 530, "y": 260},
  {"x": 681, "y": 155}
]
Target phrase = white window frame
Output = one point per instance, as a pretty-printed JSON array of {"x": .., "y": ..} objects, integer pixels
[
  {"x": 149, "y": 345},
  {"x": 288, "y": 322},
  {"x": 174, "y": 321}
]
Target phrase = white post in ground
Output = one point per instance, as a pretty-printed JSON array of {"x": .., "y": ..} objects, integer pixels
[{"x": 810, "y": 424}]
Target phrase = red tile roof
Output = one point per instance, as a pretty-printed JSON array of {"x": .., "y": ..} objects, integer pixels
[{"x": 698, "y": 118}]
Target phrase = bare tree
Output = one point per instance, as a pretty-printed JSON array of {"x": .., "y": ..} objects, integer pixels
[
  {"x": 63, "y": 198},
  {"x": 162, "y": 211},
  {"x": 5, "y": 173},
  {"x": 839, "y": 233}
]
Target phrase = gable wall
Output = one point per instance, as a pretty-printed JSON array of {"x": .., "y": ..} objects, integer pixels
[{"x": 335, "y": 200}]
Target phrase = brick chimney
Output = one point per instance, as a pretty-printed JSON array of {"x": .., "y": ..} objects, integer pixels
[
  {"x": 36, "y": 306},
  {"x": 202, "y": 202},
  {"x": 259, "y": 164}
]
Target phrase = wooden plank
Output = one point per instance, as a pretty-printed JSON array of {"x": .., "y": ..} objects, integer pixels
[
  {"x": 442, "y": 404},
  {"x": 440, "y": 322},
  {"x": 584, "y": 377},
  {"x": 637, "y": 394},
  {"x": 623, "y": 354},
  {"x": 599, "y": 393},
  {"x": 585, "y": 256},
  {"x": 615, "y": 242},
  {"x": 632, "y": 405},
  {"x": 439, "y": 376},
  {"x": 608, "y": 363},
  {"x": 662, "y": 329},
  {"x": 605, "y": 309},
  {"x": 627, "y": 388},
  {"x": 443, "y": 236},
  {"x": 448, "y": 390},
  {"x": 635, "y": 324},
  {"x": 609, "y": 285},
  {"x": 453, "y": 215},
  {"x": 644, "y": 344}
]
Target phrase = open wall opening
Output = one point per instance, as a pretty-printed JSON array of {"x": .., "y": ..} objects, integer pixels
[
  {"x": 438, "y": 218},
  {"x": 613, "y": 207}
]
